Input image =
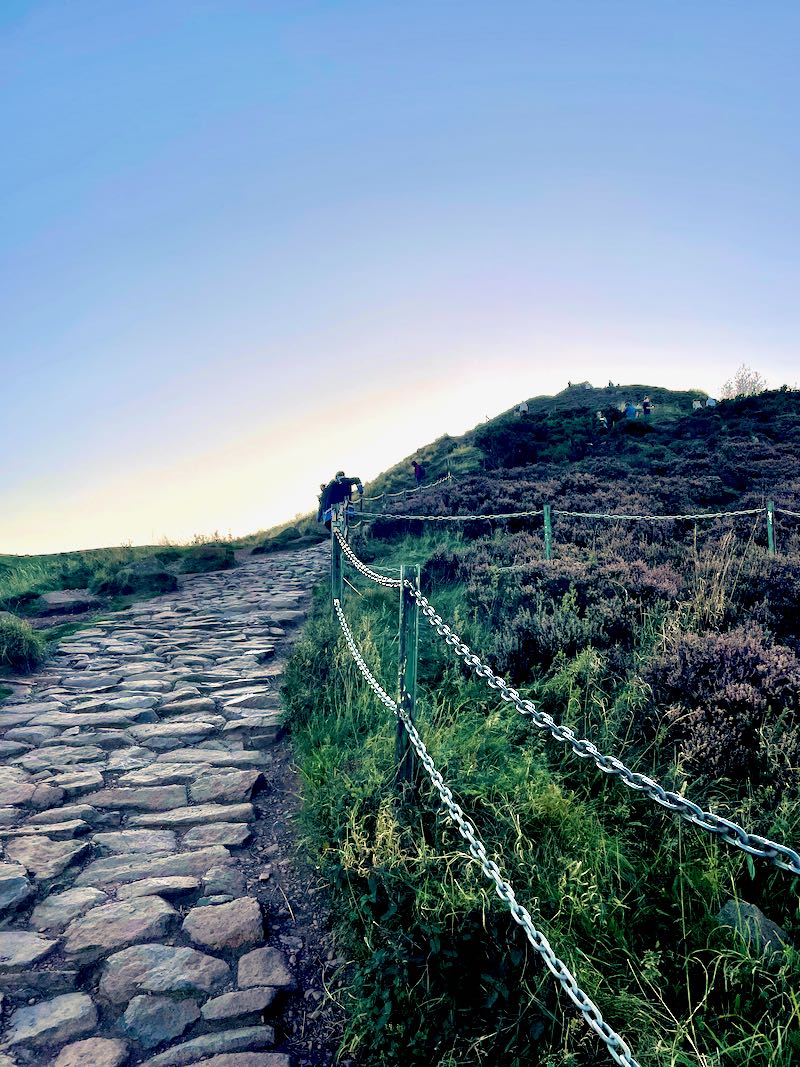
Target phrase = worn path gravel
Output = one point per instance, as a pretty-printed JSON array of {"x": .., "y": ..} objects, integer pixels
[{"x": 144, "y": 818}]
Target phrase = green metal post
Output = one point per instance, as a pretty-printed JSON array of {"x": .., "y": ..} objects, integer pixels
[
  {"x": 771, "y": 526},
  {"x": 548, "y": 532},
  {"x": 407, "y": 673},
  {"x": 337, "y": 582}
]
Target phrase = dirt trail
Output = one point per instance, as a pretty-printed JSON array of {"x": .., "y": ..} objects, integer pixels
[{"x": 153, "y": 908}]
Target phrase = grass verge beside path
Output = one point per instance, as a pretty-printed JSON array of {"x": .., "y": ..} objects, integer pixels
[{"x": 627, "y": 894}]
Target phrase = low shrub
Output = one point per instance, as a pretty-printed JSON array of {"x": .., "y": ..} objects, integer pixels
[
  {"x": 204, "y": 558},
  {"x": 144, "y": 578},
  {"x": 717, "y": 693},
  {"x": 21, "y": 648}
]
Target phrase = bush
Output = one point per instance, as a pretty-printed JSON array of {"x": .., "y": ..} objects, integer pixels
[
  {"x": 21, "y": 648},
  {"x": 144, "y": 578},
  {"x": 719, "y": 692},
  {"x": 205, "y": 558}
]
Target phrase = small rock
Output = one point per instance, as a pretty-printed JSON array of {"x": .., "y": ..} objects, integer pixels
[
  {"x": 752, "y": 924},
  {"x": 264, "y": 966},
  {"x": 226, "y": 880}
]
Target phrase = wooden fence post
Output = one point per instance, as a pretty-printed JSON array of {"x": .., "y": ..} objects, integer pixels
[
  {"x": 407, "y": 672},
  {"x": 771, "y": 526},
  {"x": 548, "y": 532}
]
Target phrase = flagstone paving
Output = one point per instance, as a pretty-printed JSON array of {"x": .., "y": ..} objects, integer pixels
[{"x": 140, "y": 778}]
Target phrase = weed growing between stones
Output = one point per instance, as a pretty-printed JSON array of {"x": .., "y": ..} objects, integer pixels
[{"x": 21, "y": 648}]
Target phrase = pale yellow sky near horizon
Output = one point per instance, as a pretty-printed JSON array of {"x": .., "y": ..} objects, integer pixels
[{"x": 266, "y": 475}]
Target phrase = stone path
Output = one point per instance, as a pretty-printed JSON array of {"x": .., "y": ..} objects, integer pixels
[{"x": 133, "y": 926}]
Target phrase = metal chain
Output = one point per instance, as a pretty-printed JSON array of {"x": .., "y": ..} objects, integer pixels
[
  {"x": 657, "y": 518},
  {"x": 380, "y": 579},
  {"x": 785, "y": 511},
  {"x": 416, "y": 489},
  {"x": 618, "y": 1048},
  {"x": 730, "y": 832},
  {"x": 450, "y": 518}
]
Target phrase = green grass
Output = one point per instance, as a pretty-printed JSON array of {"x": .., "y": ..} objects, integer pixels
[
  {"x": 626, "y": 894},
  {"x": 21, "y": 648}
]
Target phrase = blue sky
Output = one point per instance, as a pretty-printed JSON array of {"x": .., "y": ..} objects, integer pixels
[{"x": 246, "y": 243}]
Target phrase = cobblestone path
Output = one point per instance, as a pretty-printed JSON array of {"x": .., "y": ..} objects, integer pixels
[{"x": 134, "y": 913}]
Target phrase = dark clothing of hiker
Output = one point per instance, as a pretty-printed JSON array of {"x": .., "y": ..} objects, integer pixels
[
  {"x": 419, "y": 471},
  {"x": 338, "y": 490},
  {"x": 646, "y": 407}
]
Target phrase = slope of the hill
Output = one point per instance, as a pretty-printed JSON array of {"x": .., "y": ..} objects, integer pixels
[{"x": 672, "y": 645}]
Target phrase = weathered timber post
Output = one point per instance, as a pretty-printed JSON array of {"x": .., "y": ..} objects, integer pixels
[
  {"x": 407, "y": 672},
  {"x": 771, "y": 527},
  {"x": 548, "y": 532},
  {"x": 337, "y": 576}
]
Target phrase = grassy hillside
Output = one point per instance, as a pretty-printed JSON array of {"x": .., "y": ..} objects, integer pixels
[{"x": 672, "y": 645}]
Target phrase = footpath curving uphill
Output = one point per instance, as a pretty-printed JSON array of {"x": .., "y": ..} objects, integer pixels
[{"x": 142, "y": 819}]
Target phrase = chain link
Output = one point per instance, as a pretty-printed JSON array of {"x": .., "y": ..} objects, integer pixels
[
  {"x": 657, "y": 518},
  {"x": 618, "y": 1048},
  {"x": 450, "y": 518},
  {"x": 416, "y": 489},
  {"x": 785, "y": 511},
  {"x": 730, "y": 832},
  {"x": 380, "y": 579}
]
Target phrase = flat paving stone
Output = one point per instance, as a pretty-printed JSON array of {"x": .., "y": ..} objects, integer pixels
[
  {"x": 230, "y": 834},
  {"x": 152, "y": 1020},
  {"x": 227, "y": 787},
  {"x": 161, "y": 798},
  {"x": 198, "y": 813},
  {"x": 226, "y": 926},
  {"x": 57, "y": 911},
  {"x": 45, "y": 858},
  {"x": 113, "y": 926},
  {"x": 93, "y": 1052},
  {"x": 123, "y": 842},
  {"x": 52, "y": 1021},
  {"x": 240, "y": 1002},
  {"x": 245, "y": 1059},
  {"x": 20, "y": 948},
  {"x": 169, "y": 888},
  {"x": 243, "y": 1039},
  {"x": 264, "y": 966},
  {"x": 15, "y": 889},
  {"x": 124, "y": 869},
  {"x": 160, "y": 969}
]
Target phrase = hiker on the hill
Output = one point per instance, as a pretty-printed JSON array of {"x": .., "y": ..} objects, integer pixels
[
  {"x": 646, "y": 407},
  {"x": 629, "y": 411},
  {"x": 696, "y": 405},
  {"x": 322, "y": 502},
  {"x": 711, "y": 402},
  {"x": 419, "y": 471},
  {"x": 338, "y": 490},
  {"x": 602, "y": 420}
]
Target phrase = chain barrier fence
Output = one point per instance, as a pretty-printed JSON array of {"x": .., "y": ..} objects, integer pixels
[
  {"x": 412, "y": 598},
  {"x": 618, "y": 1048}
]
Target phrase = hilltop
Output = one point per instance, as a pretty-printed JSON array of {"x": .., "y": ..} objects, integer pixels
[{"x": 670, "y": 644}]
